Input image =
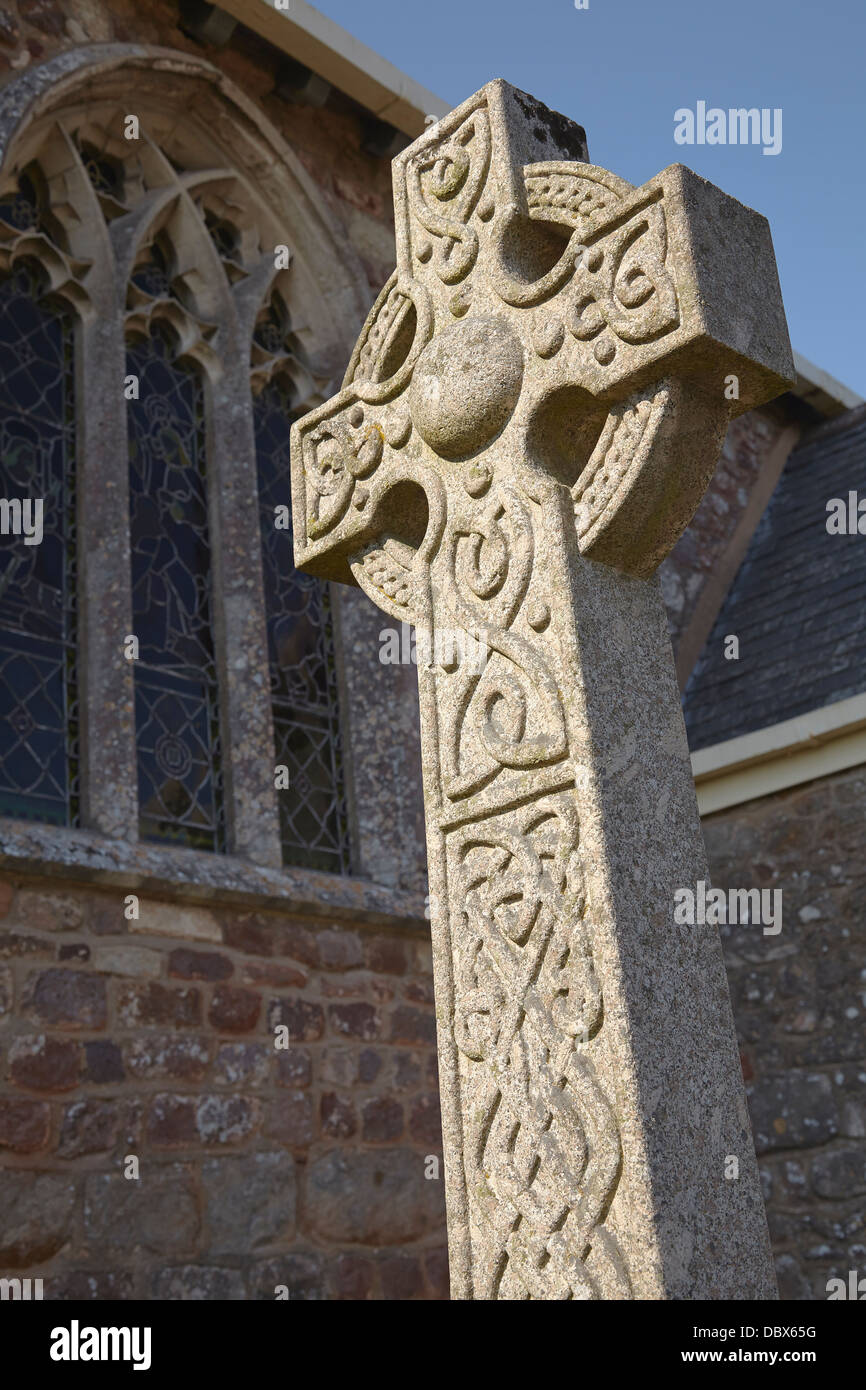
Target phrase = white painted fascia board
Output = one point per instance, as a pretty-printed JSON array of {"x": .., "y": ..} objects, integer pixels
[
  {"x": 813, "y": 383},
  {"x": 331, "y": 51},
  {"x": 794, "y": 751}
]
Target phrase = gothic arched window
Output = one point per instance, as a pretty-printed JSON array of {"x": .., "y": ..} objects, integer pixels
[{"x": 152, "y": 291}]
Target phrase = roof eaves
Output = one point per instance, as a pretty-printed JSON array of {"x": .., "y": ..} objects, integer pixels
[
  {"x": 820, "y": 390},
  {"x": 349, "y": 65}
]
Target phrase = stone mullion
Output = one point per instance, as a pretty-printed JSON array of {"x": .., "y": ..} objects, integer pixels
[
  {"x": 246, "y": 719},
  {"x": 109, "y": 778},
  {"x": 107, "y": 691}
]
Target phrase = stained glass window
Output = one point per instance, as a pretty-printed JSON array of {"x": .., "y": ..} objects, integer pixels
[
  {"x": 313, "y": 816},
  {"x": 174, "y": 604},
  {"x": 176, "y": 698},
  {"x": 38, "y": 698}
]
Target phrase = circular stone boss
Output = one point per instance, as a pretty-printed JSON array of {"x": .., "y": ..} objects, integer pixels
[{"x": 465, "y": 386}]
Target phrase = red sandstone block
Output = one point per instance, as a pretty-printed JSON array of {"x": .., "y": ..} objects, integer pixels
[
  {"x": 386, "y": 953},
  {"x": 353, "y": 1277},
  {"x": 88, "y": 1127},
  {"x": 355, "y": 1021},
  {"x": 243, "y": 1064},
  {"x": 292, "y": 939},
  {"x": 290, "y": 1119},
  {"x": 104, "y": 1062},
  {"x": 279, "y": 976},
  {"x": 369, "y": 1066},
  {"x": 153, "y": 1004},
  {"x": 199, "y": 965},
  {"x": 382, "y": 1120},
  {"x": 234, "y": 1010},
  {"x": 179, "y": 1056},
  {"x": 339, "y": 950},
  {"x": 250, "y": 934},
  {"x": 305, "y": 1021},
  {"x": 337, "y": 1116},
  {"x": 412, "y": 1026},
  {"x": 70, "y": 998},
  {"x": 171, "y": 1121},
  {"x": 181, "y": 1121},
  {"x": 425, "y": 1121},
  {"x": 260, "y": 934},
  {"x": 45, "y": 1064},
  {"x": 24, "y": 1125},
  {"x": 294, "y": 1068}
]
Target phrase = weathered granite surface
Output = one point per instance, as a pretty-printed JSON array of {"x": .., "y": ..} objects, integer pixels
[{"x": 531, "y": 415}]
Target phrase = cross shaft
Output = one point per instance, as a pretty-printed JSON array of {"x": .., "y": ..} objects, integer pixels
[{"x": 529, "y": 419}]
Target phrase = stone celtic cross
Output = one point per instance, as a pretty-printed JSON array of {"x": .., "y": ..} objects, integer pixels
[{"x": 530, "y": 417}]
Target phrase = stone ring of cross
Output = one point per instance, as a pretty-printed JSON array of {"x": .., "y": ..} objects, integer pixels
[
  {"x": 545, "y": 318},
  {"x": 532, "y": 412}
]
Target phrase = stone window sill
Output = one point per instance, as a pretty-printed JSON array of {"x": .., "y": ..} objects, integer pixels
[{"x": 50, "y": 852}]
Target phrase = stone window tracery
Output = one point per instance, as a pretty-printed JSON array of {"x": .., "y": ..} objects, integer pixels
[{"x": 149, "y": 265}]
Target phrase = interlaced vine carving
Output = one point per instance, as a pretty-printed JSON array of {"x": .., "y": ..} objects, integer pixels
[{"x": 543, "y": 1152}]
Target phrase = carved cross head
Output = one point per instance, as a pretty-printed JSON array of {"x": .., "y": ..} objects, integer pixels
[{"x": 547, "y": 323}]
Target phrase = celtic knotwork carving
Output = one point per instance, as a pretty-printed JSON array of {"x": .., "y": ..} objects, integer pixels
[
  {"x": 507, "y": 715},
  {"x": 343, "y": 449},
  {"x": 544, "y": 1151},
  {"x": 397, "y": 328},
  {"x": 578, "y": 195},
  {"x": 380, "y": 332},
  {"x": 622, "y": 284},
  {"x": 389, "y": 573},
  {"x": 444, "y": 183},
  {"x": 611, "y": 279},
  {"x": 618, "y": 452}
]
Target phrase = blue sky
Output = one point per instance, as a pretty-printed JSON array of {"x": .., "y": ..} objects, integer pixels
[{"x": 622, "y": 68}]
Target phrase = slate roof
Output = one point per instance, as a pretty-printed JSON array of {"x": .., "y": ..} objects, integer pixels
[{"x": 797, "y": 604}]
